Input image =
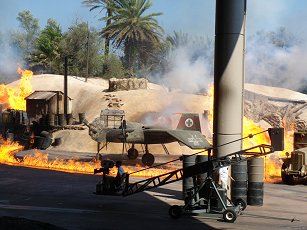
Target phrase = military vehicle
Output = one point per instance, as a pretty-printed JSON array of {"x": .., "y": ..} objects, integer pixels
[{"x": 294, "y": 166}]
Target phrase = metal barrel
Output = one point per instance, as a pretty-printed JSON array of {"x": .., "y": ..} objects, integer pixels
[
  {"x": 81, "y": 117},
  {"x": 61, "y": 120},
  {"x": 69, "y": 119},
  {"x": 255, "y": 169},
  {"x": 38, "y": 142},
  {"x": 10, "y": 137},
  {"x": 239, "y": 182},
  {"x": 187, "y": 183},
  {"x": 50, "y": 119},
  {"x": 57, "y": 141},
  {"x": 201, "y": 178},
  {"x": 6, "y": 117}
]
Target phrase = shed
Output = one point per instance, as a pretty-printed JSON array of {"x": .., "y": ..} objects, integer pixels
[{"x": 41, "y": 104}]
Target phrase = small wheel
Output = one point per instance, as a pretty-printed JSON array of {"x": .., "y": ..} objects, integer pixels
[
  {"x": 229, "y": 215},
  {"x": 242, "y": 203},
  {"x": 148, "y": 159},
  {"x": 175, "y": 211},
  {"x": 286, "y": 179},
  {"x": 132, "y": 153}
]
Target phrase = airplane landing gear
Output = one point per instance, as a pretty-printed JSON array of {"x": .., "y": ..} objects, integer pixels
[
  {"x": 148, "y": 159},
  {"x": 132, "y": 153}
]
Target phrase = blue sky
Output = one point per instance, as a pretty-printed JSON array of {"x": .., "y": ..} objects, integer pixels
[
  {"x": 265, "y": 64},
  {"x": 195, "y": 17}
]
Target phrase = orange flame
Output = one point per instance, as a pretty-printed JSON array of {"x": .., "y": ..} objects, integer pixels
[{"x": 14, "y": 98}]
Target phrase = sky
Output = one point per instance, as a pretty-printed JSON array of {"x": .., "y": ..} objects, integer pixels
[
  {"x": 265, "y": 64},
  {"x": 195, "y": 17}
]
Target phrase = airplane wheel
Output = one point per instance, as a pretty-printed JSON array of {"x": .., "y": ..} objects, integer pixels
[
  {"x": 148, "y": 159},
  {"x": 132, "y": 153},
  {"x": 229, "y": 215},
  {"x": 175, "y": 211},
  {"x": 242, "y": 203}
]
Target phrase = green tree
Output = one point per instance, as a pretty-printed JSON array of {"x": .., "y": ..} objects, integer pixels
[
  {"x": 78, "y": 46},
  {"x": 47, "y": 54},
  {"x": 25, "y": 40},
  {"x": 132, "y": 30}
]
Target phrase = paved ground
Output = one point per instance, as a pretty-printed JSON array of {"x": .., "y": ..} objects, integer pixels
[{"x": 67, "y": 201}]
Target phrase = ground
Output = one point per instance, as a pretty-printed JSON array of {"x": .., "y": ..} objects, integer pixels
[{"x": 54, "y": 200}]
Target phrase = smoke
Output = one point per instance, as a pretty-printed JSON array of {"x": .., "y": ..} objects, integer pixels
[
  {"x": 188, "y": 64},
  {"x": 186, "y": 73},
  {"x": 276, "y": 59},
  {"x": 9, "y": 59}
]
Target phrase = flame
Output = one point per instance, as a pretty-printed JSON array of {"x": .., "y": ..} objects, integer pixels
[
  {"x": 272, "y": 169},
  {"x": 8, "y": 151},
  {"x": 14, "y": 97}
]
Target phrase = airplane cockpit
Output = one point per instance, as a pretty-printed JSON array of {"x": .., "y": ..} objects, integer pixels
[{"x": 112, "y": 118}]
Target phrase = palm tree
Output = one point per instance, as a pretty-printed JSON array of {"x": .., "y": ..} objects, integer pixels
[
  {"x": 108, "y": 6},
  {"x": 130, "y": 29}
]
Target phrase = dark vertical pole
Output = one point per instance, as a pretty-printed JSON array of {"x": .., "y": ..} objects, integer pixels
[
  {"x": 65, "y": 86},
  {"x": 87, "y": 51}
]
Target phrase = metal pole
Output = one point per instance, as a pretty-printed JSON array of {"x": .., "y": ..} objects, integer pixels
[
  {"x": 87, "y": 51},
  {"x": 229, "y": 81},
  {"x": 65, "y": 86},
  {"x": 229, "y": 75}
]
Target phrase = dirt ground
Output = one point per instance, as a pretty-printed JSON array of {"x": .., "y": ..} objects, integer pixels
[{"x": 91, "y": 96}]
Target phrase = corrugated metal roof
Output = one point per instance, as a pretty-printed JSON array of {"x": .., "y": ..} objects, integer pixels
[{"x": 41, "y": 95}]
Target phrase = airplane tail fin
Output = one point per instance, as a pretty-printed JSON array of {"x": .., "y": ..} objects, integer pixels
[{"x": 189, "y": 121}]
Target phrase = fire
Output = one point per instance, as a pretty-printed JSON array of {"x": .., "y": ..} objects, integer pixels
[
  {"x": 272, "y": 161},
  {"x": 41, "y": 160},
  {"x": 14, "y": 97}
]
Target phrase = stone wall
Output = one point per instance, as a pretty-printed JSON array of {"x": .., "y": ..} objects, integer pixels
[{"x": 116, "y": 84}]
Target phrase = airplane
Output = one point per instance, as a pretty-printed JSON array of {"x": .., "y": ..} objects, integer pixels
[{"x": 112, "y": 127}]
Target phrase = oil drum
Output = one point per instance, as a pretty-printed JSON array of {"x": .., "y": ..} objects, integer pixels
[
  {"x": 201, "y": 178},
  {"x": 255, "y": 169},
  {"x": 187, "y": 183},
  {"x": 239, "y": 182}
]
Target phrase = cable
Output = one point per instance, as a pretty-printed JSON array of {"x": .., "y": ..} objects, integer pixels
[{"x": 206, "y": 150}]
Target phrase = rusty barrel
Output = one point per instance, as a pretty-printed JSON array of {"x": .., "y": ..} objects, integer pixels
[
  {"x": 255, "y": 168},
  {"x": 187, "y": 183},
  {"x": 239, "y": 182}
]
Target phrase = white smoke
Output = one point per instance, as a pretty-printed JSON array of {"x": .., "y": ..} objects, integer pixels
[
  {"x": 187, "y": 74},
  {"x": 9, "y": 59},
  {"x": 278, "y": 64}
]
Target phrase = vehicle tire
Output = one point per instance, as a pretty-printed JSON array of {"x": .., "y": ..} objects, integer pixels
[
  {"x": 175, "y": 211},
  {"x": 242, "y": 203},
  {"x": 148, "y": 159},
  {"x": 286, "y": 179},
  {"x": 229, "y": 215},
  {"x": 132, "y": 153}
]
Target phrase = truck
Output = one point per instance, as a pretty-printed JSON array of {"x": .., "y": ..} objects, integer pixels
[{"x": 294, "y": 167}]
